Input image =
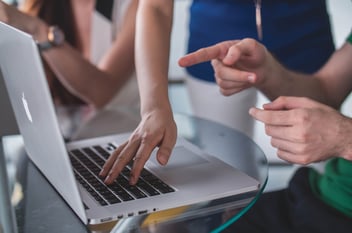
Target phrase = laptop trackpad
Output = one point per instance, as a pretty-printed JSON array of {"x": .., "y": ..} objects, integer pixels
[{"x": 180, "y": 158}]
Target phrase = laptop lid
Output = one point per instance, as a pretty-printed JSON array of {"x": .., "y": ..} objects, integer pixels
[{"x": 35, "y": 113}]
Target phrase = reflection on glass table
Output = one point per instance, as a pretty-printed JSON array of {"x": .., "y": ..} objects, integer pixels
[{"x": 41, "y": 209}]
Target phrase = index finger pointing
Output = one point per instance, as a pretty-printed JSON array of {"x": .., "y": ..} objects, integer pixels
[{"x": 217, "y": 51}]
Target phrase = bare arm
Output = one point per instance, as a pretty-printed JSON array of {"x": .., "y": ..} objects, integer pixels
[
  {"x": 157, "y": 128},
  {"x": 330, "y": 85},
  {"x": 97, "y": 84},
  {"x": 153, "y": 32},
  {"x": 336, "y": 76},
  {"x": 94, "y": 84}
]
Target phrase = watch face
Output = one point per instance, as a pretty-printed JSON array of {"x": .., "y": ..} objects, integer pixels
[{"x": 56, "y": 36}]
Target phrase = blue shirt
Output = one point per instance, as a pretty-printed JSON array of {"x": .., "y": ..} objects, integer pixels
[{"x": 297, "y": 32}]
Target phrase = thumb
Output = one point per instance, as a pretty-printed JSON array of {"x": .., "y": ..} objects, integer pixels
[
  {"x": 245, "y": 47},
  {"x": 165, "y": 148}
]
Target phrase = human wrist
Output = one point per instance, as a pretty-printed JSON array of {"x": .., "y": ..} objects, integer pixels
[
  {"x": 156, "y": 106},
  {"x": 155, "y": 100},
  {"x": 345, "y": 129},
  {"x": 271, "y": 71},
  {"x": 54, "y": 37}
]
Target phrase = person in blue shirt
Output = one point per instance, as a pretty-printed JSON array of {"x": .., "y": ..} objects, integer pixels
[{"x": 294, "y": 31}]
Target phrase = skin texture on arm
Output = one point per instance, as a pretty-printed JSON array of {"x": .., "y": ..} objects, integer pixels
[
  {"x": 95, "y": 85},
  {"x": 302, "y": 130},
  {"x": 157, "y": 128}
]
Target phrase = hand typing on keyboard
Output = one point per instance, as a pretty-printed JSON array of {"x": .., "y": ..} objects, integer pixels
[
  {"x": 157, "y": 129},
  {"x": 87, "y": 164}
]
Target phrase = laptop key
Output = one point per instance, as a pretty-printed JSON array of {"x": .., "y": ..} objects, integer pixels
[
  {"x": 147, "y": 188},
  {"x": 120, "y": 192},
  {"x": 135, "y": 191},
  {"x": 102, "y": 152}
]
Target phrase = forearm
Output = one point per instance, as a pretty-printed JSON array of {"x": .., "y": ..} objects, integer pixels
[
  {"x": 92, "y": 84},
  {"x": 97, "y": 84},
  {"x": 279, "y": 81},
  {"x": 153, "y": 31}
]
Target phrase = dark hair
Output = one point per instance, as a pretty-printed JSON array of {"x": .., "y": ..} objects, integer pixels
[{"x": 60, "y": 13}]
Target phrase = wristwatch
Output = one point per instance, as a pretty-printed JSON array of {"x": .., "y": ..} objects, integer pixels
[{"x": 56, "y": 37}]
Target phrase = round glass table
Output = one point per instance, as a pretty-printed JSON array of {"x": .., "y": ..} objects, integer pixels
[{"x": 39, "y": 208}]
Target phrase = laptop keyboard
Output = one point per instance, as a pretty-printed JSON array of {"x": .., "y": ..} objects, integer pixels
[{"x": 88, "y": 162}]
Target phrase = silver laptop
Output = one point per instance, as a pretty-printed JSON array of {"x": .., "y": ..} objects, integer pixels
[{"x": 190, "y": 177}]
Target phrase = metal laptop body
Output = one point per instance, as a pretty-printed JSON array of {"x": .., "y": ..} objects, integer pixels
[{"x": 194, "y": 176}]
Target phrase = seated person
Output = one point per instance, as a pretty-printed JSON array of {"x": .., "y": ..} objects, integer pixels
[
  {"x": 302, "y": 129},
  {"x": 94, "y": 65}
]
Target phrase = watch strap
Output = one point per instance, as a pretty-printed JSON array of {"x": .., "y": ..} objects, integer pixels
[
  {"x": 55, "y": 38},
  {"x": 42, "y": 46}
]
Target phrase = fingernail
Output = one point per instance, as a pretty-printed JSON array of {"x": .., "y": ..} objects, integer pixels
[
  {"x": 101, "y": 173},
  {"x": 107, "y": 180},
  {"x": 266, "y": 105},
  {"x": 132, "y": 180},
  {"x": 251, "y": 111},
  {"x": 251, "y": 78},
  {"x": 163, "y": 159}
]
